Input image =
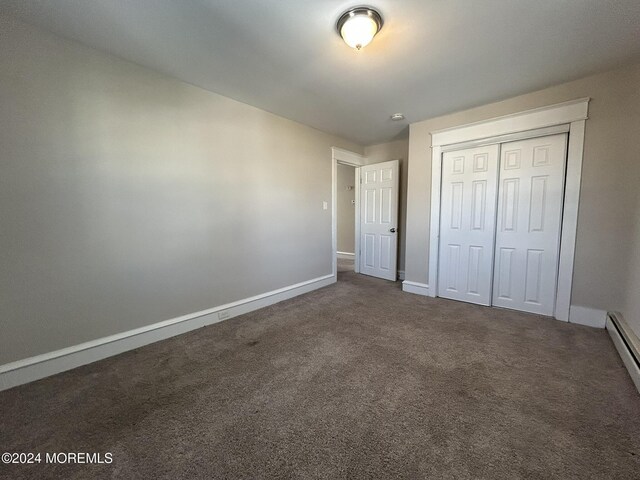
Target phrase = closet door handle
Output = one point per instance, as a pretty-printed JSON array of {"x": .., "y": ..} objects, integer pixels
[{"x": 392, "y": 230}]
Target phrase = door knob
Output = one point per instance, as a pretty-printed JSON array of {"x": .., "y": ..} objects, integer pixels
[{"x": 392, "y": 230}]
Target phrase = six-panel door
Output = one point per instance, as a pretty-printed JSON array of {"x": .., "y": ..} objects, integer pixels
[
  {"x": 467, "y": 224},
  {"x": 379, "y": 219},
  {"x": 528, "y": 224}
]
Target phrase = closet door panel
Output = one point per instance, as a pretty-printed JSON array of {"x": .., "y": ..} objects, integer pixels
[
  {"x": 467, "y": 224},
  {"x": 529, "y": 217}
]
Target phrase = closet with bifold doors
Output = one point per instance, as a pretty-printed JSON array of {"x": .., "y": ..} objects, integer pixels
[{"x": 500, "y": 223}]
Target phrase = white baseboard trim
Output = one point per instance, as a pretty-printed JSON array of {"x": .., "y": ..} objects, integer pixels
[
  {"x": 591, "y": 317},
  {"x": 346, "y": 255},
  {"x": 623, "y": 349},
  {"x": 401, "y": 275},
  {"x": 41, "y": 366},
  {"x": 415, "y": 287}
]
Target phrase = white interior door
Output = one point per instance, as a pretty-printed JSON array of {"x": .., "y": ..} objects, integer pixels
[
  {"x": 467, "y": 224},
  {"x": 528, "y": 223},
  {"x": 379, "y": 219}
]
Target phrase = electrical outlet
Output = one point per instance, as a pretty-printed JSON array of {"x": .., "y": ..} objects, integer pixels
[{"x": 223, "y": 315}]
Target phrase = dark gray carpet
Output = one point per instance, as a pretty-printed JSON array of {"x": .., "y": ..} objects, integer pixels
[{"x": 357, "y": 380}]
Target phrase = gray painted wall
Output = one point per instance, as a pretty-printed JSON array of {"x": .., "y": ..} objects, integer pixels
[
  {"x": 607, "y": 263},
  {"x": 346, "y": 210},
  {"x": 396, "y": 150},
  {"x": 128, "y": 198}
]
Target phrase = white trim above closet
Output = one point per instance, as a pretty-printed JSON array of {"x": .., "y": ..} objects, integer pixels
[
  {"x": 563, "y": 117},
  {"x": 558, "y": 114}
]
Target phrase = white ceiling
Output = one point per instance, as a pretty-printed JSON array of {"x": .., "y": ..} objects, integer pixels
[{"x": 284, "y": 56}]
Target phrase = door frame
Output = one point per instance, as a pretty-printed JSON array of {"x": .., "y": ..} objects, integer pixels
[
  {"x": 344, "y": 157},
  {"x": 567, "y": 116}
]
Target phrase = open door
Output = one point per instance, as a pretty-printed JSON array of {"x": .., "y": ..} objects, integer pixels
[{"x": 379, "y": 219}]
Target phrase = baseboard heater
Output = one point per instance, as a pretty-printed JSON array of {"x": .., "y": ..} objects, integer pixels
[{"x": 627, "y": 344}]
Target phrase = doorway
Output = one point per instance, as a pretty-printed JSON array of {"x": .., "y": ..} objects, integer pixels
[
  {"x": 346, "y": 217},
  {"x": 344, "y": 158},
  {"x": 376, "y": 195}
]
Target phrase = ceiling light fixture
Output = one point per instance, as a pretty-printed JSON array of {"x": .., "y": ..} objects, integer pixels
[
  {"x": 357, "y": 26},
  {"x": 396, "y": 117}
]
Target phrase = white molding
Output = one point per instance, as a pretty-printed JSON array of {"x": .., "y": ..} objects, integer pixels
[
  {"x": 574, "y": 113},
  {"x": 575, "y": 150},
  {"x": 349, "y": 158},
  {"x": 346, "y": 255},
  {"x": 625, "y": 354},
  {"x": 511, "y": 137},
  {"x": 401, "y": 275},
  {"x": 345, "y": 157},
  {"x": 356, "y": 258},
  {"x": 434, "y": 227},
  {"x": 41, "y": 366},
  {"x": 334, "y": 214},
  {"x": 415, "y": 287},
  {"x": 590, "y": 317},
  {"x": 547, "y": 116}
]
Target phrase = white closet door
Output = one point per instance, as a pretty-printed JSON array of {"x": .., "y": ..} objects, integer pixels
[
  {"x": 467, "y": 224},
  {"x": 528, "y": 223}
]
